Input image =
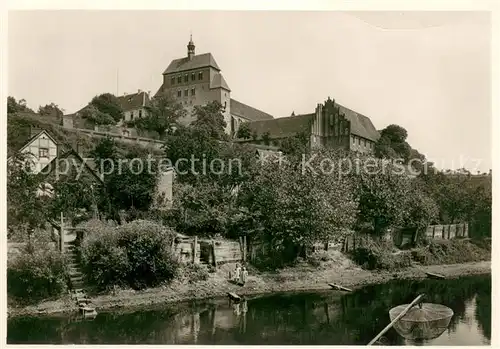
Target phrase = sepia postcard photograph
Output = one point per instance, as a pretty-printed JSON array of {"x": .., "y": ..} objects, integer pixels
[{"x": 238, "y": 177}]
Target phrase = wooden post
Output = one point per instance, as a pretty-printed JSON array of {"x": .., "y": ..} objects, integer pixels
[
  {"x": 403, "y": 313},
  {"x": 449, "y": 230},
  {"x": 213, "y": 253},
  {"x": 244, "y": 248},
  {"x": 195, "y": 249},
  {"x": 61, "y": 233},
  {"x": 433, "y": 231}
]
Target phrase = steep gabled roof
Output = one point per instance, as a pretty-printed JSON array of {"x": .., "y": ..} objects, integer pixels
[
  {"x": 219, "y": 82},
  {"x": 247, "y": 112},
  {"x": 361, "y": 125},
  {"x": 133, "y": 101},
  {"x": 90, "y": 165},
  {"x": 198, "y": 61},
  {"x": 283, "y": 127},
  {"x": 30, "y": 139}
]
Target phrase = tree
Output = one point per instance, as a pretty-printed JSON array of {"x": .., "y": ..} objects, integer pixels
[
  {"x": 392, "y": 144},
  {"x": 162, "y": 115},
  {"x": 97, "y": 117},
  {"x": 292, "y": 209},
  {"x": 244, "y": 131},
  {"x": 130, "y": 180},
  {"x": 108, "y": 104},
  {"x": 24, "y": 205},
  {"x": 383, "y": 193},
  {"x": 296, "y": 145},
  {"x": 51, "y": 109},
  {"x": 14, "y": 106},
  {"x": 210, "y": 120},
  {"x": 76, "y": 193},
  {"x": 395, "y": 133},
  {"x": 266, "y": 138},
  {"x": 422, "y": 209}
]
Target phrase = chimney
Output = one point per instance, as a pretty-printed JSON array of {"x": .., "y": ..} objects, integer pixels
[{"x": 139, "y": 91}]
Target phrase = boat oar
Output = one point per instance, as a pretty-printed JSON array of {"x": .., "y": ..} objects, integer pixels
[{"x": 403, "y": 313}]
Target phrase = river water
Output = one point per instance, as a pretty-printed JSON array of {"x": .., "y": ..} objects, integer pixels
[{"x": 326, "y": 318}]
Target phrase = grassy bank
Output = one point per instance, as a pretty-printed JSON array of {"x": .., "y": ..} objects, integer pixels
[{"x": 301, "y": 277}]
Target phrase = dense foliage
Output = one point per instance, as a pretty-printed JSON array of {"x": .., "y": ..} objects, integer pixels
[
  {"x": 128, "y": 181},
  {"x": 51, "y": 109},
  {"x": 137, "y": 254},
  {"x": 162, "y": 116},
  {"x": 24, "y": 205},
  {"x": 38, "y": 273},
  {"x": 290, "y": 207},
  {"x": 14, "y": 106}
]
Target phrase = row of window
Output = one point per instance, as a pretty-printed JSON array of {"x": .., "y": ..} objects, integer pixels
[
  {"x": 362, "y": 141},
  {"x": 179, "y": 78},
  {"x": 186, "y": 92}
]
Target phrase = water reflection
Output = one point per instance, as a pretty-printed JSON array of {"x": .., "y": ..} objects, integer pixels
[{"x": 312, "y": 318}]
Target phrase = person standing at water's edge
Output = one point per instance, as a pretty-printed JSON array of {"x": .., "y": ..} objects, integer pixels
[
  {"x": 237, "y": 273},
  {"x": 243, "y": 278}
]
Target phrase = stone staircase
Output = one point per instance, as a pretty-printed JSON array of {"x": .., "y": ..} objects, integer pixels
[{"x": 76, "y": 277}]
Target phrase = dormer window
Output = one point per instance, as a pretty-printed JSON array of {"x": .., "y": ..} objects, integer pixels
[{"x": 43, "y": 153}]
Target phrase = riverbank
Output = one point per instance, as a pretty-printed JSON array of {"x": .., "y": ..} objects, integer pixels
[{"x": 303, "y": 277}]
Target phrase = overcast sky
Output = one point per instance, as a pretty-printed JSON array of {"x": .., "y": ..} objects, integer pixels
[{"x": 428, "y": 72}]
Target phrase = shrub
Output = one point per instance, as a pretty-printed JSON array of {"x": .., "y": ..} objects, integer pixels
[
  {"x": 195, "y": 272},
  {"x": 379, "y": 255},
  {"x": 137, "y": 254},
  {"x": 35, "y": 276}
]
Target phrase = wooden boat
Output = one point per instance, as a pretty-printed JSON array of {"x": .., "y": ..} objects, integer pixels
[
  {"x": 340, "y": 288},
  {"x": 434, "y": 275}
]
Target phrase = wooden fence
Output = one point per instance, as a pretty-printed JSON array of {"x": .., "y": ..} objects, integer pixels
[
  {"x": 213, "y": 252},
  {"x": 448, "y": 231}
]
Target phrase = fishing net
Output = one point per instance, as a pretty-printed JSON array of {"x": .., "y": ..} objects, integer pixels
[{"x": 423, "y": 321}]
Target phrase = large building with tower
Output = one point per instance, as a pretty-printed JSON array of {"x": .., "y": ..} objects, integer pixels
[{"x": 197, "y": 80}]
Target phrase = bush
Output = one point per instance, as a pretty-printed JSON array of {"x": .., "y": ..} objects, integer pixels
[
  {"x": 137, "y": 254},
  {"x": 195, "y": 272},
  {"x": 35, "y": 276},
  {"x": 379, "y": 255}
]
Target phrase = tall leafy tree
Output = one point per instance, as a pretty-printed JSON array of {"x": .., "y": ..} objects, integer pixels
[
  {"x": 162, "y": 116},
  {"x": 24, "y": 204},
  {"x": 14, "y": 106},
  {"x": 293, "y": 207},
  {"x": 129, "y": 182},
  {"x": 244, "y": 131},
  {"x": 51, "y": 109},
  {"x": 108, "y": 104},
  {"x": 210, "y": 120}
]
